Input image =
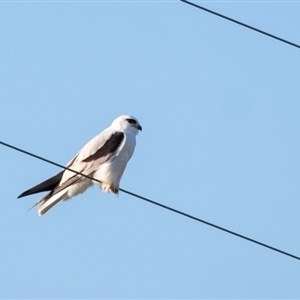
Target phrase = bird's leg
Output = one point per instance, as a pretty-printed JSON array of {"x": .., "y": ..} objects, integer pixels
[{"x": 113, "y": 189}]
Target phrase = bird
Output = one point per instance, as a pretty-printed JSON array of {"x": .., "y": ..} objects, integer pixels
[{"x": 103, "y": 158}]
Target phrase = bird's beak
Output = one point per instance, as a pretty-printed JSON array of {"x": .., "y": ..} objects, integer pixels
[{"x": 139, "y": 127}]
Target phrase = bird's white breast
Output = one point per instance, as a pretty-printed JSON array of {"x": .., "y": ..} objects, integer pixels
[{"x": 110, "y": 173}]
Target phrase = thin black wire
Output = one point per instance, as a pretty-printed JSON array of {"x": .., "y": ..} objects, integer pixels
[
  {"x": 242, "y": 24},
  {"x": 156, "y": 203}
]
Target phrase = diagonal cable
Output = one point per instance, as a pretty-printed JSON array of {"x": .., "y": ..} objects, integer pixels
[
  {"x": 242, "y": 24},
  {"x": 157, "y": 204}
]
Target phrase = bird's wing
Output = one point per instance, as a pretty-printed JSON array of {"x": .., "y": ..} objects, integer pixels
[
  {"x": 102, "y": 146},
  {"x": 47, "y": 185},
  {"x": 44, "y": 186},
  {"x": 54, "y": 196},
  {"x": 101, "y": 149}
]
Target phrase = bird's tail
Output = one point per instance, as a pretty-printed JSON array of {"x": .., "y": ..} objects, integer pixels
[{"x": 50, "y": 202}]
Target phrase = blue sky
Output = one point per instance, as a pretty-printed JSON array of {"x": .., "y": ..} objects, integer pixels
[{"x": 219, "y": 105}]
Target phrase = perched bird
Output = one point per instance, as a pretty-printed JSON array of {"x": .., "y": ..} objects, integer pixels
[{"x": 104, "y": 158}]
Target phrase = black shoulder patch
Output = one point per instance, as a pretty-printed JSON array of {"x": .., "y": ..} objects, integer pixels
[{"x": 110, "y": 146}]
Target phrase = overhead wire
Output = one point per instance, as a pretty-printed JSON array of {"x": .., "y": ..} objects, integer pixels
[
  {"x": 242, "y": 24},
  {"x": 156, "y": 203}
]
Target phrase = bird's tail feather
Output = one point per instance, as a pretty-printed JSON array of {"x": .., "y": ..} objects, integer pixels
[{"x": 46, "y": 204}]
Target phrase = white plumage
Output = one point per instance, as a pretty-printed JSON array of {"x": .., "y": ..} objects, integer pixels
[{"x": 104, "y": 158}]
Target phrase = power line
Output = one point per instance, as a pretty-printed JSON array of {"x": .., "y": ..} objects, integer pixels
[
  {"x": 156, "y": 203},
  {"x": 242, "y": 24}
]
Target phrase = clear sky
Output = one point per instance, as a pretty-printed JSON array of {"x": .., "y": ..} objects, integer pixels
[{"x": 219, "y": 105}]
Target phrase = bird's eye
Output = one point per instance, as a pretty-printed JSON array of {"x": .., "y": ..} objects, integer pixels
[{"x": 131, "y": 121}]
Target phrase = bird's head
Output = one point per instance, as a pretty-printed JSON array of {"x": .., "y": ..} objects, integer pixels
[{"x": 126, "y": 122}]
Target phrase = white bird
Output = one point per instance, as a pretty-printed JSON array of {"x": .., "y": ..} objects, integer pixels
[{"x": 104, "y": 158}]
